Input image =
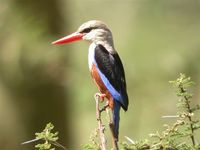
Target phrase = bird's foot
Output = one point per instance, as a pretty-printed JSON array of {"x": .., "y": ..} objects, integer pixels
[{"x": 100, "y": 96}]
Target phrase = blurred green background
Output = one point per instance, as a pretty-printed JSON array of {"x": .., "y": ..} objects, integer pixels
[{"x": 41, "y": 83}]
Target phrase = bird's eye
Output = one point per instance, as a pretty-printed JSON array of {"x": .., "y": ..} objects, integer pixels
[{"x": 86, "y": 30}]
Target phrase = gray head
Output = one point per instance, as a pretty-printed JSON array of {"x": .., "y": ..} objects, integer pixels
[
  {"x": 96, "y": 31},
  {"x": 93, "y": 31}
]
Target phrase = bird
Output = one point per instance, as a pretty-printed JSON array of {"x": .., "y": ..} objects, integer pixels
[{"x": 105, "y": 66}]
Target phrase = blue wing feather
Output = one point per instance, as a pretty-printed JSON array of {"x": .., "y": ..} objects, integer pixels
[{"x": 115, "y": 94}]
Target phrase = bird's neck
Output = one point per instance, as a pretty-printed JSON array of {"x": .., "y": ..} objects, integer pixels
[{"x": 109, "y": 46}]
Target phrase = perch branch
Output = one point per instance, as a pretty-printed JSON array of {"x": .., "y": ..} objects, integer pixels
[
  {"x": 111, "y": 125},
  {"x": 101, "y": 127}
]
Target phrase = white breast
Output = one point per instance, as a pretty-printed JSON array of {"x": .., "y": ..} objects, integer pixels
[{"x": 91, "y": 55}]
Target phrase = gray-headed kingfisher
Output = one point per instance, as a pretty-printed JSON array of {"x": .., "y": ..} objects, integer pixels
[{"x": 104, "y": 64}]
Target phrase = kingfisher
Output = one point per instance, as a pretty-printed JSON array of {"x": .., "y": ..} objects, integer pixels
[{"x": 105, "y": 66}]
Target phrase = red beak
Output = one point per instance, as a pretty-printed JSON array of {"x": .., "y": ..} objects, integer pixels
[{"x": 70, "y": 38}]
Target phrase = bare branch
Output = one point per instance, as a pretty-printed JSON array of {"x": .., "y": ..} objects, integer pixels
[
  {"x": 101, "y": 127},
  {"x": 111, "y": 125}
]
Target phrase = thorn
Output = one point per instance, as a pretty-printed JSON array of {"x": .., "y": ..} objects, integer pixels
[
  {"x": 172, "y": 116},
  {"x": 129, "y": 139},
  {"x": 104, "y": 108},
  {"x": 30, "y": 141}
]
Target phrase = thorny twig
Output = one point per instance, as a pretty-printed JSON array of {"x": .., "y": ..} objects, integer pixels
[
  {"x": 111, "y": 125},
  {"x": 101, "y": 127},
  {"x": 189, "y": 116}
]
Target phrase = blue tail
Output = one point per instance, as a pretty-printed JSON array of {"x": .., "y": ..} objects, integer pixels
[{"x": 116, "y": 118}]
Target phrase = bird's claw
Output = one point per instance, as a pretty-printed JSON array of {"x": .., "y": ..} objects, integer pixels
[{"x": 100, "y": 96}]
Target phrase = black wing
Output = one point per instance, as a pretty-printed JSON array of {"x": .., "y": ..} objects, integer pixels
[{"x": 111, "y": 66}]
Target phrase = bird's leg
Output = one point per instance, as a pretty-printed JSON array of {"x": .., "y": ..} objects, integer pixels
[{"x": 100, "y": 96}]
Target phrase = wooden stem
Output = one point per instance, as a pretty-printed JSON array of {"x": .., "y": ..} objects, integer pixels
[
  {"x": 101, "y": 127},
  {"x": 111, "y": 125}
]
